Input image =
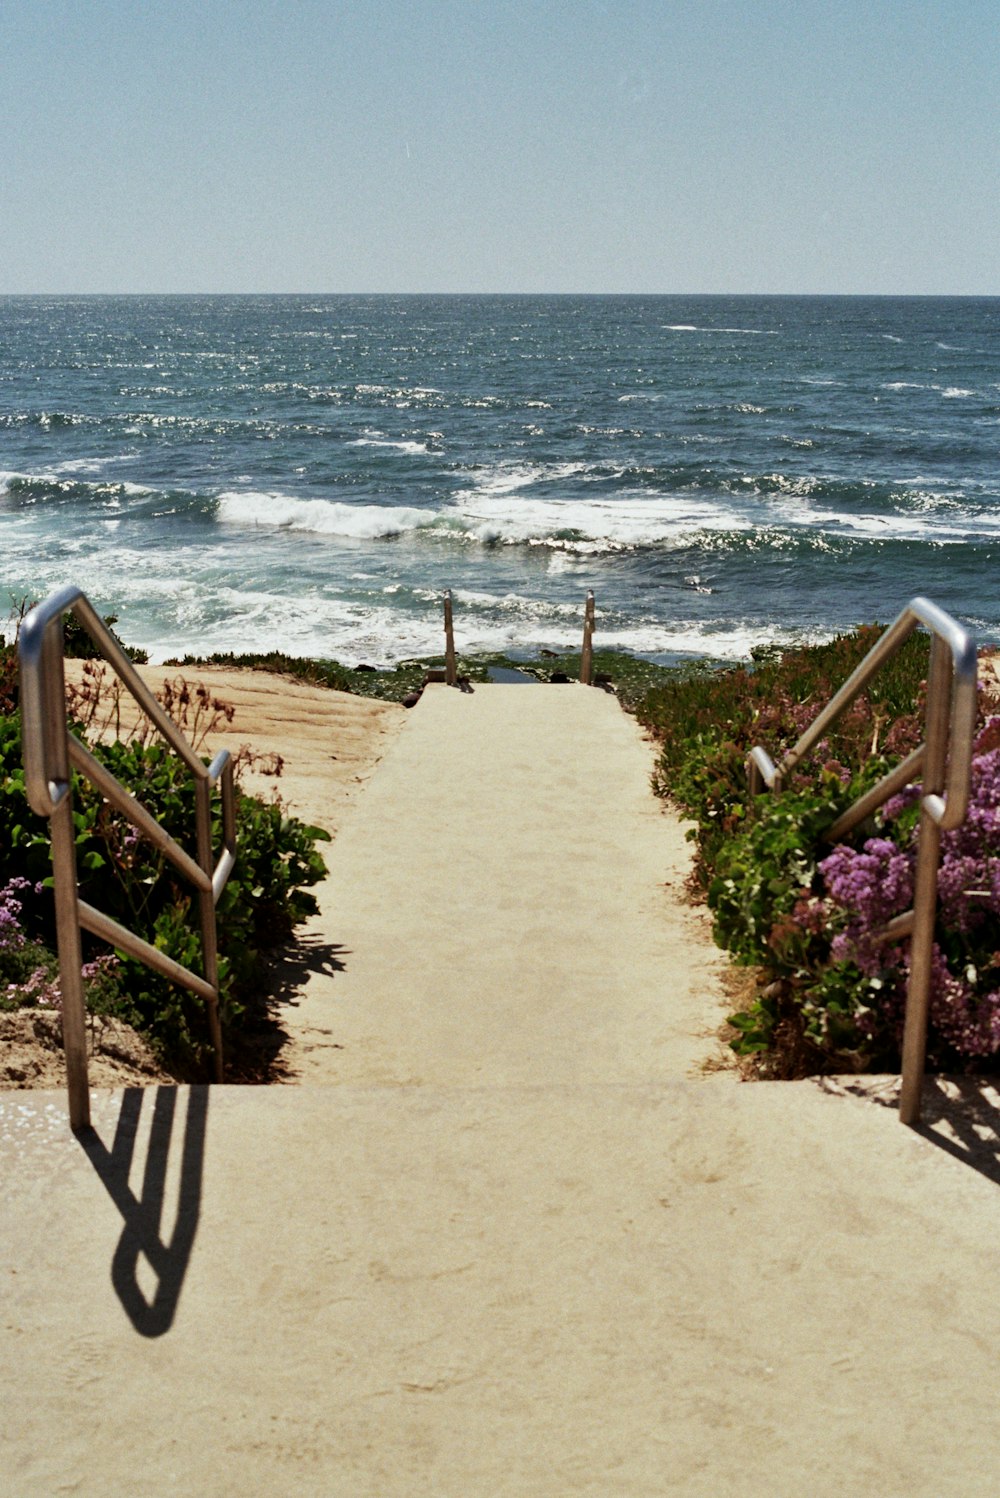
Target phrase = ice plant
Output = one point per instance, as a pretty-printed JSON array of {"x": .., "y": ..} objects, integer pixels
[{"x": 864, "y": 888}]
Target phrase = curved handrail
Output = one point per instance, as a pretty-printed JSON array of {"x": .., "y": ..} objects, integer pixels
[
  {"x": 945, "y": 758},
  {"x": 50, "y": 754},
  {"x": 949, "y": 811}
]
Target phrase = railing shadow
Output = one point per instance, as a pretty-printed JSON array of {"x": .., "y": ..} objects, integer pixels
[
  {"x": 142, "y": 1230},
  {"x": 960, "y": 1115}
]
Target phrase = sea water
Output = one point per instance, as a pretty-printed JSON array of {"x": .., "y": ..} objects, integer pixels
[{"x": 309, "y": 473}]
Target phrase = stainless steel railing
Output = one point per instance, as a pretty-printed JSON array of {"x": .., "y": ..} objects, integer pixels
[
  {"x": 945, "y": 757},
  {"x": 51, "y": 752}
]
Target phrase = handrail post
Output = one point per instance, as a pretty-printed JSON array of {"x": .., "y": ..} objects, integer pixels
[
  {"x": 945, "y": 758},
  {"x": 74, "y": 1011},
  {"x": 939, "y": 682},
  {"x": 587, "y": 653},
  {"x": 206, "y": 911},
  {"x": 450, "y": 668},
  {"x": 50, "y": 752},
  {"x": 65, "y": 889}
]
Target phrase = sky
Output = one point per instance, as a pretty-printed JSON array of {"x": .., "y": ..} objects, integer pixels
[{"x": 768, "y": 146}]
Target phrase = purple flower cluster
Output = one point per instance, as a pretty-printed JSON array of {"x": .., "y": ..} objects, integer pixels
[
  {"x": 38, "y": 988},
  {"x": 870, "y": 887},
  {"x": 12, "y": 937},
  {"x": 967, "y": 1020},
  {"x": 27, "y": 971},
  {"x": 864, "y": 889}
]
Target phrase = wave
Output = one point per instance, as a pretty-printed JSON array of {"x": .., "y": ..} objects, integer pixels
[
  {"x": 572, "y": 507},
  {"x": 46, "y": 420},
  {"x": 946, "y": 392},
  {"x": 603, "y": 508},
  {"x": 382, "y": 634},
  {"x": 405, "y": 446},
  {"x": 323, "y": 517},
  {"x": 687, "y": 327},
  {"x": 31, "y": 489}
]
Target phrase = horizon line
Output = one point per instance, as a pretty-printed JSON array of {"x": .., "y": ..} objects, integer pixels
[{"x": 798, "y": 295}]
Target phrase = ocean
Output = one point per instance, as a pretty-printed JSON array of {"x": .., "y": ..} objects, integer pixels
[{"x": 310, "y": 473}]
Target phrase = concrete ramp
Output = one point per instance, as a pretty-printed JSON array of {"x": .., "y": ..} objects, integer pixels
[{"x": 506, "y": 905}]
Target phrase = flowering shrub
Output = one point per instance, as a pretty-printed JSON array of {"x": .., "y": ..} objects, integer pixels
[
  {"x": 832, "y": 996},
  {"x": 29, "y": 971},
  {"x": 864, "y": 888},
  {"x": 122, "y": 875}
]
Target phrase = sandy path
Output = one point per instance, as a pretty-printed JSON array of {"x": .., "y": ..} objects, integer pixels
[
  {"x": 507, "y": 904},
  {"x": 507, "y": 848}
]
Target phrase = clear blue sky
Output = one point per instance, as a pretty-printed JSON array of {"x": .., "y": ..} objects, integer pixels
[{"x": 452, "y": 145}]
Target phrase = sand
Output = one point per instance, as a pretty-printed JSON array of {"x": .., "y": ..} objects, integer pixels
[{"x": 330, "y": 742}]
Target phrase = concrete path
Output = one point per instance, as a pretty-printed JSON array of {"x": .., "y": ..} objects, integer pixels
[
  {"x": 507, "y": 906},
  {"x": 519, "y": 1247}
]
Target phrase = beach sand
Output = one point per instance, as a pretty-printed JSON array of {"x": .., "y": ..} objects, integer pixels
[{"x": 330, "y": 742}]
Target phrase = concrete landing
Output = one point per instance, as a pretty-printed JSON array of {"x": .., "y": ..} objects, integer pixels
[
  {"x": 525, "y": 1292},
  {"x": 507, "y": 1242}
]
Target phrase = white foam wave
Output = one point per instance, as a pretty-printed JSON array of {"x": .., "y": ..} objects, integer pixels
[
  {"x": 381, "y": 637},
  {"x": 403, "y": 447},
  {"x": 509, "y": 477},
  {"x": 922, "y": 516},
  {"x": 498, "y": 512},
  {"x": 515, "y": 605},
  {"x": 324, "y": 517},
  {"x": 627, "y": 520},
  {"x": 90, "y": 466},
  {"x": 687, "y": 327}
]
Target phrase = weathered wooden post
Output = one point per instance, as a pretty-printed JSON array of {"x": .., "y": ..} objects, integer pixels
[
  {"x": 450, "y": 669},
  {"x": 587, "y": 654}
]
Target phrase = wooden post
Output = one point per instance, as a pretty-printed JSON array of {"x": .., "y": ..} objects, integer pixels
[
  {"x": 587, "y": 654},
  {"x": 450, "y": 669}
]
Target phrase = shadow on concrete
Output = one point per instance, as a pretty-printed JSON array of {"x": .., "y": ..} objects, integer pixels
[
  {"x": 299, "y": 960},
  {"x": 255, "y": 1055},
  {"x": 960, "y": 1115},
  {"x": 142, "y": 1246}
]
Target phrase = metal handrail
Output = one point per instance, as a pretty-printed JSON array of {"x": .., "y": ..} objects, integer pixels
[
  {"x": 945, "y": 757},
  {"x": 51, "y": 752}
]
